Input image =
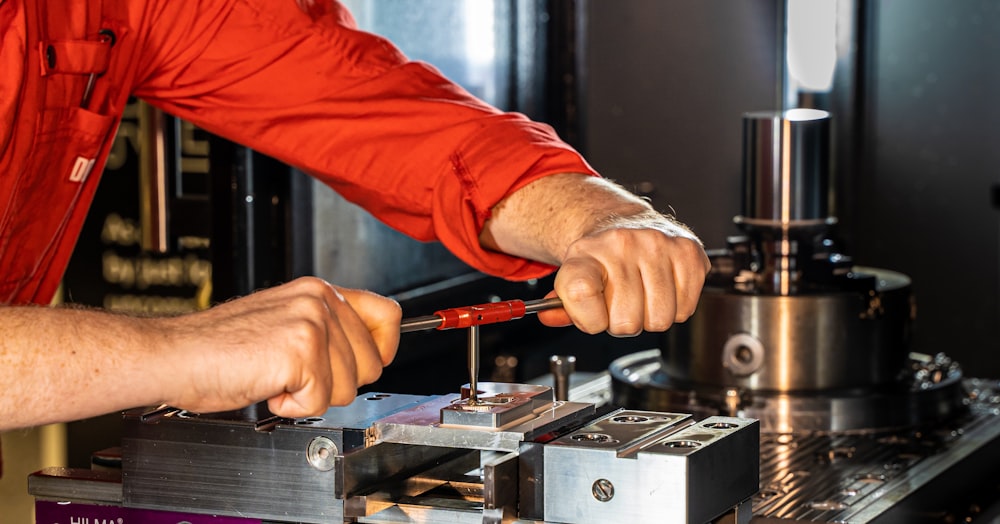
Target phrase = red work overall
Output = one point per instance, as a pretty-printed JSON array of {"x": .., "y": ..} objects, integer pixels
[{"x": 294, "y": 80}]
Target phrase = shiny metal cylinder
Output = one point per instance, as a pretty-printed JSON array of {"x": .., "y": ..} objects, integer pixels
[
  {"x": 562, "y": 367},
  {"x": 817, "y": 342},
  {"x": 786, "y": 167}
]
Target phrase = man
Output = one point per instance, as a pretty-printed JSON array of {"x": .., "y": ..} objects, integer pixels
[{"x": 297, "y": 81}]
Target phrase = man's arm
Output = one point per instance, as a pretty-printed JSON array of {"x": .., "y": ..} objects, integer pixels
[
  {"x": 302, "y": 347},
  {"x": 623, "y": 266}
]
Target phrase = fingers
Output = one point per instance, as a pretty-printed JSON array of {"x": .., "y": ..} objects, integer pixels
[
  {"x": 624, "y": 281},
  {"x": 362, "y": 333},
  {"x": 554, "y": 317},
  {"x": 381, "y": 318},
  {"x": 302, "y": 347}
]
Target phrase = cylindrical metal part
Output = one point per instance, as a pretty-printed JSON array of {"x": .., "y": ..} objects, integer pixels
[
  {"x": 786, "y": 168},
  {"x": 542, "y": 304},
  {"x": 823, "y": 341},
  {"x": 420, "y": 323},
  {"x": 561, "y": 366}
]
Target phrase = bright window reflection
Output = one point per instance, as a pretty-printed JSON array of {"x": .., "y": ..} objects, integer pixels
[
  {"x": 459, "y": 37},
  {"x": 812, "y": 44}
]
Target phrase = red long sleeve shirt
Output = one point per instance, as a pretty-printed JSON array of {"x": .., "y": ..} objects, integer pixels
[{"x": 293, "y": 79}]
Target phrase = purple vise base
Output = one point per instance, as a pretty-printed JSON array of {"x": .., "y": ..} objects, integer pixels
[{"x": 75, "y": 513}]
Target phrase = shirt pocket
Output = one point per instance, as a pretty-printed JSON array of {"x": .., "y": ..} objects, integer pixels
[{"x": 57, "y": 180}]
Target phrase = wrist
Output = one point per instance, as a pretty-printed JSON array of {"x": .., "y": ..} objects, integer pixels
[{"x": 645, "y": 219}]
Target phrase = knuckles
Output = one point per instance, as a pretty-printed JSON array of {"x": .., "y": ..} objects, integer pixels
[
  {"x": 627, "y": 328},
  {"x": 342, "y": 395},
  {"x": 304, "y": 333},
  {"x": 369, "y": 374},
  {"x": 308, "y": 306},
  {"x": 659, "y": 323}
]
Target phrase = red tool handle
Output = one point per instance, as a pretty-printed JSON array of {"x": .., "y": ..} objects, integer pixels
[
  {"x": 468, "y": 316},
  {"x": 478, "y": 315}
]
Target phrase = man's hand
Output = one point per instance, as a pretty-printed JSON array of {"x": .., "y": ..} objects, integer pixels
[
  {"x": 624, "y": 268},
  {"x": 302, "y": 346},
  {"x": 631, "y": 274}
]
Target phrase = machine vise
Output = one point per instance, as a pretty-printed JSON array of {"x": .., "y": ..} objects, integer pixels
[{"x": 514, "y": 455}]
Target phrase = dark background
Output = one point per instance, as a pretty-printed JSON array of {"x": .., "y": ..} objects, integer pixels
[{"x": 665, "y": 85}]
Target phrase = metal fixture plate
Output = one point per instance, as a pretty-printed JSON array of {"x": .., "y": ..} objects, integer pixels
[
  {"x": 421, "y": 426},
  {"x": 651, "y": 467},
  {"x": 496, "y": 406},
  {"x": 638, "y": 381}
]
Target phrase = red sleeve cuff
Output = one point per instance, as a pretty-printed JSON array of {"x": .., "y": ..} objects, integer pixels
[{"x": 493, "y": 163}]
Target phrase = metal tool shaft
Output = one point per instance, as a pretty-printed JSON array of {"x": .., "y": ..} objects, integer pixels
[{"x": 473, "y": 366}]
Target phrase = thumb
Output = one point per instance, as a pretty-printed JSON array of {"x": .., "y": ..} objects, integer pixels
[
  {"x": 381, "y": 315},
  {"x": 554, "y": 317}
]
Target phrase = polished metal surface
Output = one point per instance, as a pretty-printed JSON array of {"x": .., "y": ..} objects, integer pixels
[
  {"x": 786, "y": 193},
  {"x": 808, "y": 342},
  {"x": 639, "y": 382},
  {"x": 786, "y": 167},
  {"x": 650, "y": 467}
]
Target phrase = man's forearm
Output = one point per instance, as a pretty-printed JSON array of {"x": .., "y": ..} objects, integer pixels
[
  {"x": 59, "y": 364},
  {"x": 542, "y": 219},
  {"x": 623, "y": 267},
  {"x": 300, "y": 346}
]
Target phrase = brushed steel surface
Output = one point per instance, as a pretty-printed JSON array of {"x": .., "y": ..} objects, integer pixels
[
  {"x": 639, "y": 466},
  {"x": 226, "y": 465}
]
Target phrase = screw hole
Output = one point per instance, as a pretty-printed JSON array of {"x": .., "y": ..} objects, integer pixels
[
  {"x": 630, "y": 419},
  {"x": 720, "y": 425},
  {"x": 682, "y": 444},
  {"x": 593, "y": 437}
]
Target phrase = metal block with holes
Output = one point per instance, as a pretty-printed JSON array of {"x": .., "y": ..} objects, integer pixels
[
  {"x": 642, "y": 466},
  {"x": 265, "y": 468},
  {"x": 514, "y": 455}
]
